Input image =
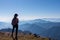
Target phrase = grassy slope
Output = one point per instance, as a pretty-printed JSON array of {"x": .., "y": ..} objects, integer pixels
[{"x": 21, "y": 36}]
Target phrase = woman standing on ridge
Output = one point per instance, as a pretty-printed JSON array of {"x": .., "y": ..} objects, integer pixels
[{"x": 14, "y": 23}]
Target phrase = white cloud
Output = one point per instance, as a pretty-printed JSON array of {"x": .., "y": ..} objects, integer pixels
[{"x": 5, "y": 19}]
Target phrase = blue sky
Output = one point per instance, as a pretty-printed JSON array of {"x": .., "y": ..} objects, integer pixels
[{"x": 29, "y": 9}]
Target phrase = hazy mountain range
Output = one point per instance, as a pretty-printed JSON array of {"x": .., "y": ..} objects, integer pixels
[
  {"x": 52, "y": 19},
  {"x": 39, "y": 26}
]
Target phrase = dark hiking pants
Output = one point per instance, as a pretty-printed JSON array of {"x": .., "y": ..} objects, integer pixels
[{"x": 15, "y": 27}]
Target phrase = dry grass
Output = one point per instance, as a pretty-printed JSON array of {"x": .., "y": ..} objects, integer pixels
[{"x": 21, "y": 36}]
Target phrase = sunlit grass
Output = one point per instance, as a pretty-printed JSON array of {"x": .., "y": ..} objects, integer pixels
[{"x": 21, "y": 36}]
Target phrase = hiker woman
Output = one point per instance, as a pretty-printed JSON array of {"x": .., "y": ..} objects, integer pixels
[{"x": 14, "y": 23}]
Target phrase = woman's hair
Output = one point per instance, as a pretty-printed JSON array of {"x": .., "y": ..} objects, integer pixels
[{"x": 16, "y": 15}]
